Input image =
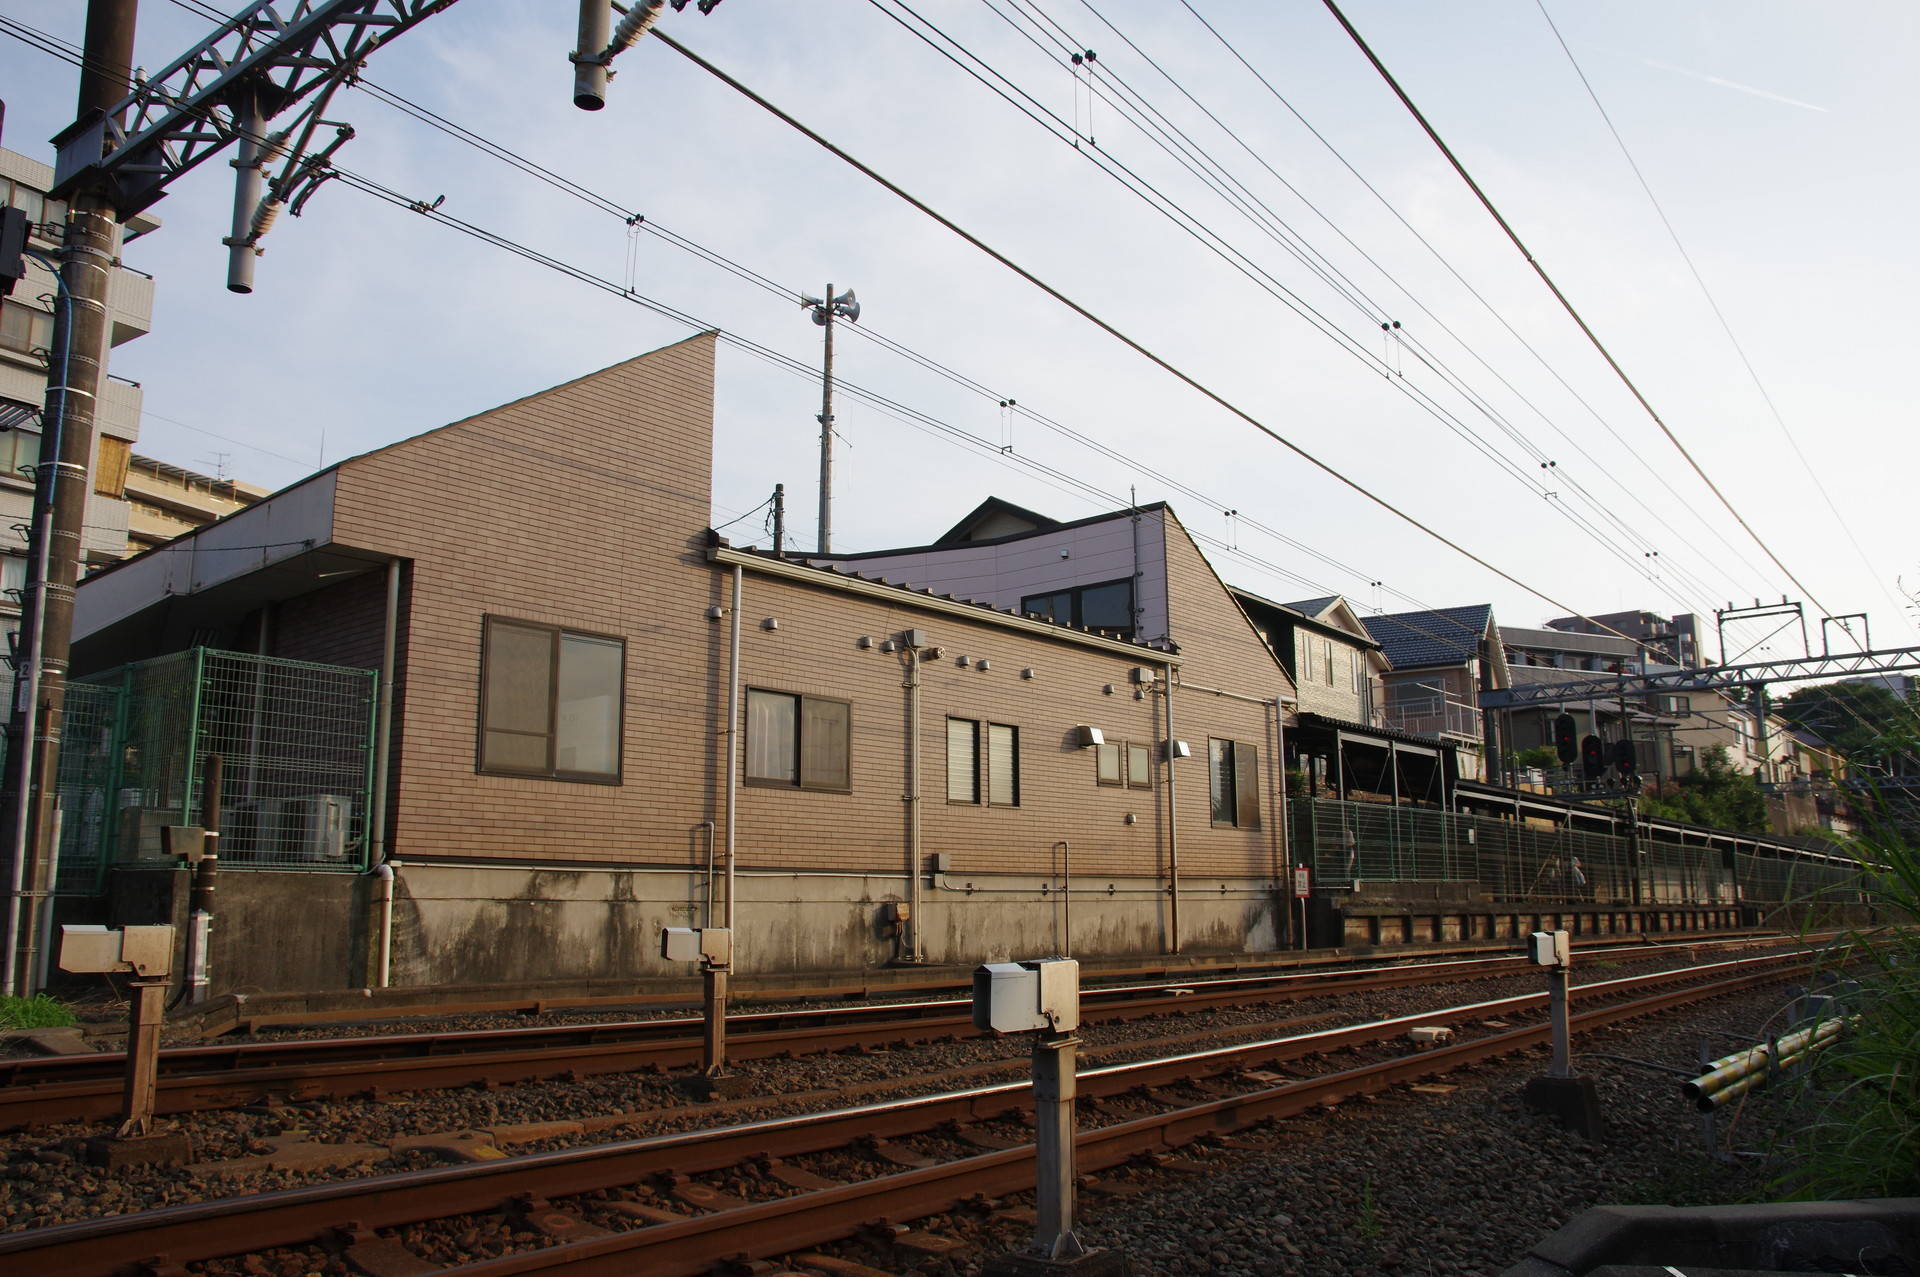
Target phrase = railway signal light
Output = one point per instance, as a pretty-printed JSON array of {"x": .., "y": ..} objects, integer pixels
[
  {"x": 1565, "y": 739},
  {"x": 1591, "y": 757},
  {"x": 1624, "y": 757}
]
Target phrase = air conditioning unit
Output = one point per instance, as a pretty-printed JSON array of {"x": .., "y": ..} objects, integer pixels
[
  {"x": 257, "y": 827},
  {"x": 316, "y": 826}
]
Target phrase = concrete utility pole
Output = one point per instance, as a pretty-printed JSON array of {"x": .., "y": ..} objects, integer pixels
[
  {"x": 825, "y": 311},
  {"x": 87, "y": 256}
]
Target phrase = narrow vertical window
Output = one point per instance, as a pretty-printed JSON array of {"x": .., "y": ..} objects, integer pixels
[
  {"x": 1003, "y": 765},
  {"x": 1107, "y": 764},
  {"x": 1233, "y": 774},
  {"x": 963, "y": 760},
  {"x": 1139, "y": 766}
]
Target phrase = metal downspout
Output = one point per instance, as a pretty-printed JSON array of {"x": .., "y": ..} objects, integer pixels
[
  {"x": 1283, "y": 809},
  {"x": 1173, "y": 832},
  {"x": 912, "y": 797},
  {"x": 733, "y": 734},
  {"x": 383, "y": 714}
]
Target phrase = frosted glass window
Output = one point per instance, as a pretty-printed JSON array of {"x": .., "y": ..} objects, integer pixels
[
  {"x": 1003, "y": 765},
  {"x": 963, "y": 761}
]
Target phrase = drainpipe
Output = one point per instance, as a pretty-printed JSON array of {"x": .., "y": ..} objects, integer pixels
[
  {"x": 383, "y": 871},
  {"x": 706, "y": 918},
  {"x": 1173, "y": 832},
  {"x": 383, "y": 714},
  {"x": 912, "y": 799},
  {"x": 1282, "y": 817},
  {"x": 733, "y": 734},
  {"x": 383, "y": 896},
  {"x": 1066, "y": 897}
]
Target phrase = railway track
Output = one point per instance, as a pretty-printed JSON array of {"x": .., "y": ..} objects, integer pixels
[
  {"x": 41, "y": 1090},
  {"x": 651, "y": 1205}
]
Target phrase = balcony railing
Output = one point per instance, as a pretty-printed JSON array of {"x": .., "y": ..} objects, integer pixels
[{"x": 1435, "y": 716}]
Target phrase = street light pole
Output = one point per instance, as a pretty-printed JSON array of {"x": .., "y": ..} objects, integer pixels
[{"x": 825, "y": 311}]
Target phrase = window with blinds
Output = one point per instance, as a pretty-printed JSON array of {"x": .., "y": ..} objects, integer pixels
[
  {"x": 983, "y": 762},
  {"x": 551, "y": 702},
  {"x": 800, "y": 742},
  {"x": 963, "y": 760},
  {"x": 1233, "y": 773}
]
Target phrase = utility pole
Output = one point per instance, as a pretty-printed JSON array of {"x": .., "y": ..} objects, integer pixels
[
  {"x": 87, "y": 256},
  {"x": 779, "y": 519},
  {"x": 825, "y": 311}
]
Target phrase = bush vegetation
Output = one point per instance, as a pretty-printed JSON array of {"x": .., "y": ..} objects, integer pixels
[{"x": 37, "y": 1012}]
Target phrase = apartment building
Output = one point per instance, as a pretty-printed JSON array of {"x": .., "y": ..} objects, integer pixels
[
  {"x": 26, "y": 335},
  {"x": 164, "y": 501}
]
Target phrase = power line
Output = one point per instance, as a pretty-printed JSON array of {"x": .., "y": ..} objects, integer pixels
[
  {"x": 1112, "y": 331},
  {"x": 1380, "y": 197},
  {"x": 1565, "y": 304},
  {"x": 394, "y": 197},
  {"x": 1713, "y": 304}
]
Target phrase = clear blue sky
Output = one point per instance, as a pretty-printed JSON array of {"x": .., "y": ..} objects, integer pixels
[{"x": 1776, "y": 136}]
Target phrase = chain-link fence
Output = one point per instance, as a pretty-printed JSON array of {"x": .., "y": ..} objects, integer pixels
[
  {"x": 295, "y": 741},
  {"x": 1347, "y": 843}
]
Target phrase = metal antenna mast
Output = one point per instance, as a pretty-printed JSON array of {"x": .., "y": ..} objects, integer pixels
[{"x": 825, "y": 311}]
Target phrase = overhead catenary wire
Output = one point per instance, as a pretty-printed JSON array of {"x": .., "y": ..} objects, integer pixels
[
  {"x": 1566, "y": 304},
  {"x": 1446, "y": 264},
  {"x": 365, "y": 184},
  {"x": 1713, "y": 303},
  {"x": 1132, "y": 344},
  {"x": 607, "y": 204},
  {"x": 1214, "y": 243}
]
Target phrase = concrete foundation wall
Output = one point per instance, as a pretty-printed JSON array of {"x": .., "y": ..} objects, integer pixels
[
  {"x": 485, "y": 925},
  {"x": 272, "y": 932}
]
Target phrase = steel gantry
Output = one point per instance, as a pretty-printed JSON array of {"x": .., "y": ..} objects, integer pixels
[{"x": 1795, "y": 669}]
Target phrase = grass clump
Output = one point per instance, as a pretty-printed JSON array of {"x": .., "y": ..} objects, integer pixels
[
  {"x": 1862, "y": 1135},
  {"x": 36, "y": 1012}
]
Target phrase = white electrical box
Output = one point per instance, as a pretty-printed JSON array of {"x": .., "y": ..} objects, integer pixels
[
  {"x": 1550, "y": 948},
  {"x": 1021, "y": 997},
  {"x": 145, "y": 951},
  {"x": 712, "y": 945}
]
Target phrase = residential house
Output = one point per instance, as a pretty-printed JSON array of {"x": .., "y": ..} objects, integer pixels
[
  {"x": 1441, "y": 660},
  {"x": 594, "y": 715}
]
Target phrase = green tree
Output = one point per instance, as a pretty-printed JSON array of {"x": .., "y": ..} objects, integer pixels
[
  {"x": 1715, "y": 794},
  {"x": 1869, "y": 724}
]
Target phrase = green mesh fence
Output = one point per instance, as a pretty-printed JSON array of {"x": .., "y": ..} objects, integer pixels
[
  {"x": 1349, "y": 843},
  {"x": 295, "y": 741}
]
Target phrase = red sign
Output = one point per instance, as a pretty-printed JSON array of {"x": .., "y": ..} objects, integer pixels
[{"x": 1302, "y": 886}]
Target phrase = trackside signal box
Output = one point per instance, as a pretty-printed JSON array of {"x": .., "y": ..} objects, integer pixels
[
  {"x": 1022, "y": 997},
  {"x": 712, "y": 945}
]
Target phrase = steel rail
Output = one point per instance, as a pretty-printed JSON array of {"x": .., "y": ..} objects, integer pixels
[
  {"x": 214, "y": 1229},
  {"x": 688, "y": 1247},
  {"x": 37, "y": 1091},
  {"x": 200, "y": 1078}
]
